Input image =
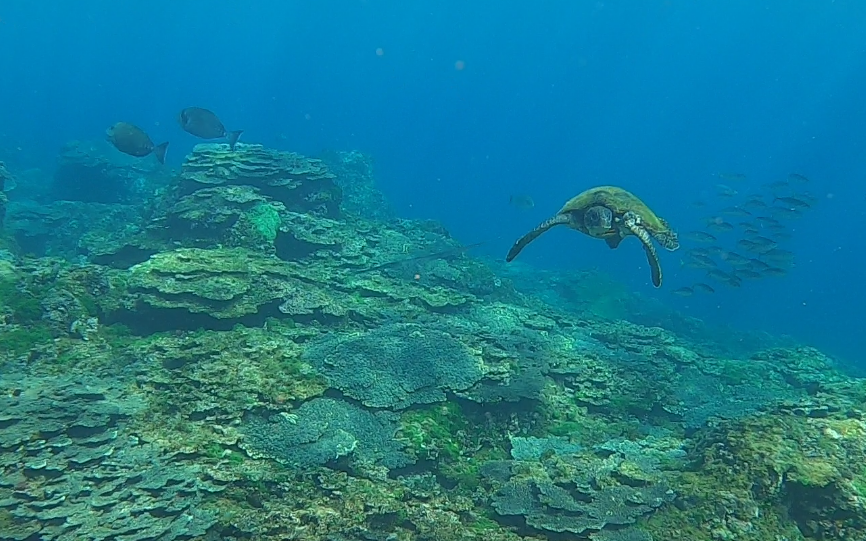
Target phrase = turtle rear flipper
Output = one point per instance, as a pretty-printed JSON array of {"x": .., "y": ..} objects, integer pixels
[
  {"x": 559, "y": 219},
  {"x": 650, "y": 250}
]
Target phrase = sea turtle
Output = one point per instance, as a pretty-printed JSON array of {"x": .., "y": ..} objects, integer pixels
[{"x": 609, "y": 213}]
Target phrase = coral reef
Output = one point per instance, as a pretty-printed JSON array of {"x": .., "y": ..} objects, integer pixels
[
  {"x": 396, "y": 365},
  {"x": 259, "y": 349},
  {"x": 72, "y": 469},
  {"x": 301, "y": 184},
  {"x": 557, "y": 488},
  {"x": 323, "y": 430}
]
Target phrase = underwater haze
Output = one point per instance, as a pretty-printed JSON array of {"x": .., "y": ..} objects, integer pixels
[
  {"x": 482, "y": 271},
  {"x": 658, "y": 97}
]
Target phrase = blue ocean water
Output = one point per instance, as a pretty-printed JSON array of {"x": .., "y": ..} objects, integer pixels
[{"x": 463, "y": 105}]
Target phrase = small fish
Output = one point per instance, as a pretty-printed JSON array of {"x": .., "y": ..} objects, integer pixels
[
  {"x": 782, "y": 212},
  {"x": 797, "y": 178},
  {"x": 736, "y": 260},
  {"x": 757, "y": 264},
  {"x": 737, "y": 177},
  {"x": 775, "y": 271},
  {"x": 683, "y": 292},
  {"x": 777, "y": 254},
  {"x": 793, "y": 202},
  {"x": 766, "y": 220},
  {"x": 747, "y": 245},
  {"x": 717, "y": 224},
  {"x": 721, "y": 276},
  {"x": 735, "y": 212},
  {"x": 132, "y": 140},
  {"x": 523, "y": 202},
  {"x": 748, "y": 274},
  {"x": 806, "y": 196},
  {"x": 700, "y": 262},
  {"x": 755, "y": 204},
  {"x": 698, "y": 204},
  {"x": 725, "y": 191},
  {"x": 700, "y": 236},
  {"x": 700, "y": 286},
  {"x": 778, "y": 185},
  {"x": 205, "y": 124},
  {"x": 699, "y": 252}
]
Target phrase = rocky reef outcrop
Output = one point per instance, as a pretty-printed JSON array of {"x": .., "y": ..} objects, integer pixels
[
  {"x": 261, "y": 354},
  {"x": 94, "y": 172}
]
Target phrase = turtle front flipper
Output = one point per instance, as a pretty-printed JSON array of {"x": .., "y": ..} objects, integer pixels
[
  {"x": 559, "y": 219},
  {"x": 632, "y": 222}
]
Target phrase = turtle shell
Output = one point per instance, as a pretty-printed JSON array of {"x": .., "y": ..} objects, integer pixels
[{"x": 620, "y": 201}]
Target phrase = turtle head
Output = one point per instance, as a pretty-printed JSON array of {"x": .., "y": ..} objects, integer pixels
[{"x": 598, "y": 220}]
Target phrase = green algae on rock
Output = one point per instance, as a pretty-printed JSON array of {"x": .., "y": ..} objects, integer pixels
[
  {"x": 223, "y": 284},
  {"x": 302, "y": 184}
]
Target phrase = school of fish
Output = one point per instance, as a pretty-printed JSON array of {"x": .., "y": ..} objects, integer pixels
[{"x": 744, "y": 239}]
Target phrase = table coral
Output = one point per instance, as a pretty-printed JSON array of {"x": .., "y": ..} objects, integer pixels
[
  {"x": 395, "y": 366},
  {"x": 301, "y": 184}
]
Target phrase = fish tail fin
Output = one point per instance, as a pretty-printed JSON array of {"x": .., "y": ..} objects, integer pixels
[
  {"x": 159, "y": 152},
  {"x": 233, "y": 137}
]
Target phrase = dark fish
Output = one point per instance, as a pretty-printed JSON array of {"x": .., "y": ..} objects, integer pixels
[
  {"x": 725, "y": 191},
  {"x": 683, "y": 292},
  {"x": 748, "y": 274},
  {"x": 130, "y": 139},
  {"x": 718, "y": 224},
  {"x": 700, "y": 286},
  {"x": 755, "y": 204},
  {"x": 700, "y": 236},
  {"x": 747, "y": 245},
  {"x": 766, "y": 220},
  {"x": 696, "y": 261},
  {"x": 797, "y": 178},
  {"x": 757, "y": 264},
  {"x": 721, "y": 276},
  {"x": 793, "y": 202},
  {"x": 735, "y": 211},
  {"x": 738, "y": 177},
  {"x": 736, "y": 260},
  {"x": 523, "y": 202},
  {"x": 699, "y": 252},
  {"x": 698, "y": 204},
  {"x": 778, "y": 185},
  {"x": 778, "y": 255},
  {"x": 774, "y": 271},
  {"x": 782, "y": 212},
  {"x": 205, "y": 124},
  {"x": 806, "y": 196}
]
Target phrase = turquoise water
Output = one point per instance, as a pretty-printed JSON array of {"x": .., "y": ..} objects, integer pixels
[
  {"x": 315, "y": 334},
  {"x": 657, "y": 98}
]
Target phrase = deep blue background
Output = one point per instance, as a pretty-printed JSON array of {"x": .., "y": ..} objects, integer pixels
[{"x": 656, "y": 96}]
